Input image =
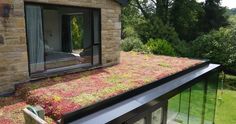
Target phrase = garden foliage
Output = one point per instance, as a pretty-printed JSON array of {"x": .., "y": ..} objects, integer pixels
[
  {"x": 131, "y": 43},
  {"x": 161, "y": 47},
  {"x": 218, "y": 46},
  {"x": 181, "y": 28}
]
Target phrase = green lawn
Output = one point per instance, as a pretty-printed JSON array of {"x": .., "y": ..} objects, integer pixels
[
  {"x": 226, "y": 104},
  {"x": 226, "y": 107}
]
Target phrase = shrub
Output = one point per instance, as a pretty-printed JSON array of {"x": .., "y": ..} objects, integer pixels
[
  {"x": 182, "y": 48},
  {"x": 159, "y": 46},
  {"x": 131, "y": 43},
  {"x": 155, "y": 29},
  {"x": 143, "y": 49},
  {"x": 129, "y": 31},
  {"x": 218, "y": 46}
]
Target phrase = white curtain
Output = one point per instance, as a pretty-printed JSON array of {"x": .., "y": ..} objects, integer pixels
[{"x": 35, "y": 38}]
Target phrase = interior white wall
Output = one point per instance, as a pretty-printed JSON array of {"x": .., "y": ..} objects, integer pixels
[{"x": 52, "y": 29}]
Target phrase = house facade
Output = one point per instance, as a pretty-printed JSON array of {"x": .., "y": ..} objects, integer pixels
[
  {"x": 38, "y": 37},
  {"x": 42, "y": 38}
]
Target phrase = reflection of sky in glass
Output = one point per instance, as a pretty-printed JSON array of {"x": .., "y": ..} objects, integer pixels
[{"x": 228, "y": 3}]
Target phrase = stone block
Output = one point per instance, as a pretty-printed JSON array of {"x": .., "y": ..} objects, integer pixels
[
  {"x": 1, "y": 39},
  {"x": 34, "y": 115}
]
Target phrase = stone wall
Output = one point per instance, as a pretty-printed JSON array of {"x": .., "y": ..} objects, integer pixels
[{"x": 13, "y": 47}]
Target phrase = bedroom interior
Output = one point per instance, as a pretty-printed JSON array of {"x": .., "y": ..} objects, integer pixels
[{"x": 65, "y": 37}]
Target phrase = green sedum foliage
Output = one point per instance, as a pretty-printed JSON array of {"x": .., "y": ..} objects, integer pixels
[{"x": 161, "y": 47}]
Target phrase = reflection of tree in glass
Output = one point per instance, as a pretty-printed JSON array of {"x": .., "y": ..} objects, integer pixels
[{"x": 77, "y": 32}]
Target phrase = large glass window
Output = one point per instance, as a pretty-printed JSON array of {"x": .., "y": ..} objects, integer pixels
[{"x": 62, "y": 37}]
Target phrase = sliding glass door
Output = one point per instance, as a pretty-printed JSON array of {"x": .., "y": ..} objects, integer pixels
[
  {"x": 35, "y": 38},
  {"x": 62, "y": 37}
]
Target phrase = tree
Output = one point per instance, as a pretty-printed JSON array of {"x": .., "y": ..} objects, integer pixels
[
  {"x": 218, "y": 46},
  {"x": 130, "y": 15},
  {"x": 185, "y": 15},
  {"x": 155, "y": 23},
  {"x": 214, "y": 16},
  {"x": 177, "y": 21},
  {"x": 130, "y": 18},
  {"x": 154, "y": 29},
  {"x": 154, "y": 8}
]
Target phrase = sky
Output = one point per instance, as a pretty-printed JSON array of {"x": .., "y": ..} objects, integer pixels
[{"x": 228, "y": 3}]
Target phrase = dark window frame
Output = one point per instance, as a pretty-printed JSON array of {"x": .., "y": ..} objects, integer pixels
[{"x": 73, "y": 69}]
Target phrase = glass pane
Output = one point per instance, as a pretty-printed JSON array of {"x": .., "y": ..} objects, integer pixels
[
  {"x": 96, "y": 24},
  {"x": 141, "y": 121},
  {"x": 196, "y": 104},
  {"x": 173, "y": 108},
  {"x": 77, "y": 24},
  {"x": 35, "y": 38},
  {"x": 67, "y": 37},
  {"x": 157, "y": 116},
  {"x": 211, "y": 99},
  {"x": 182, "y": 117},
  {"x": 96, "y": 55}
]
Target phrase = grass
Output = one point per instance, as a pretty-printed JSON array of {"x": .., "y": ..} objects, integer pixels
[
  {"x": 226, "y": 104},
  {"x": 226, "y": 107}
]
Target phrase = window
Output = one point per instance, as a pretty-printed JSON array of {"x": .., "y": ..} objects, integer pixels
[{"x": 60, "y": 37}]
